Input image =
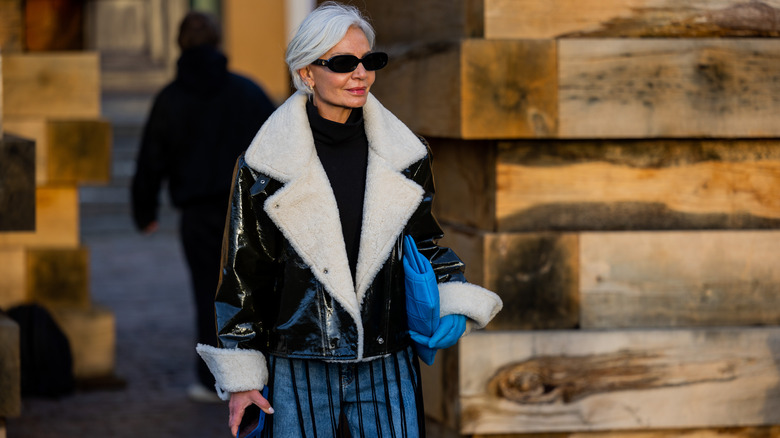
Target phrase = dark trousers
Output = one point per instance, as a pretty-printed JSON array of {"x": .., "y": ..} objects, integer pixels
[{"x": 201, "y": 228}]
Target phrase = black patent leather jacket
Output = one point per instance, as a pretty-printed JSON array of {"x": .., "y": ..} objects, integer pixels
[{"x": 286, "y": 287}]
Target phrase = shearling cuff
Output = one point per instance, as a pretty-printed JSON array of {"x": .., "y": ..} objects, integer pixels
[
  {"x": 477, "y": 303},
  {"x": 234, "y": 369}
]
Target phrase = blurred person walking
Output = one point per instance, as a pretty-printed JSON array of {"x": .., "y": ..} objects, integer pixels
[{"x": 199, "y": 124}]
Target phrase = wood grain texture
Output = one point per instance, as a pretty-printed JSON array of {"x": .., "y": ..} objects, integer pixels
[
  {"x": 405, "y": 22},
  {"x": 630, "y": 18},
  {"x": 59, "y": 277},
  {"x": 53, "y": 84},
  {"x": 640, "y": 88},
  {"x": 535, "y": 274},
  {"x": 79, "y": 151},
  {"x": 68, "y": 151},
  {"x": 421, "y": 86},
  {"x": 17, "y": 184},
  {"x": 679, "y": 279},
  {"x": 636, "y": 185},
  {"x": 607, "y": 185},
  {"x": 52, "y": 25},
  {"x": 33, "y": 128},
  {"x": 465, "y": 180},
  {"x": 473, "y": 88},
  {"x": 92, "y": 337},
  {"x": 56, "y": 221},
  {"x": 13, "y": 281},
  {"x": 720, "y": 432},
  {"x": 11, "y": 26},
  {"x": 692, "y": 379}
]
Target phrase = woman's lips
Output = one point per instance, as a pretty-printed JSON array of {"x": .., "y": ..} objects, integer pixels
[{"x": 359, "y": 91}]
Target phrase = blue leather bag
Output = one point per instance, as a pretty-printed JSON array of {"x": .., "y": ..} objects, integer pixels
[{"x": 422, "y": 297}]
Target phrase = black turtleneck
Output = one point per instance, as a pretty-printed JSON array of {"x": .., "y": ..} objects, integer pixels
[{"x": 343, "y": 151}]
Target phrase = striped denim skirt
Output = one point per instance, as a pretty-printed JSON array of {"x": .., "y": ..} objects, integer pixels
[{"x": 317, "y": 399}]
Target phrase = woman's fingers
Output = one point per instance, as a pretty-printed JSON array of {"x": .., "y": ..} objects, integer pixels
[{"x": 238, "y": 403}]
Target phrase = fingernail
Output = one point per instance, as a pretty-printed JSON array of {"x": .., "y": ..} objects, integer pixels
[{"x": 270, "y": 410}]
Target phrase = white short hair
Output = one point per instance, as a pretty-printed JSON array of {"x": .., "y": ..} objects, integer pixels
[{"x": 322, "y": 29}]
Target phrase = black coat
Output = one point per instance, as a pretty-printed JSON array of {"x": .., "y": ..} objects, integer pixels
[
  {"x": 287, "y": 288},
  {"x": 198, "y": 125}
]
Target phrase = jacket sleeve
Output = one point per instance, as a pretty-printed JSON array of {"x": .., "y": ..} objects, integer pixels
[
  {"x": 248, "y": 266},
  {"x": 456, "y": 295},
  {"x": 151, "y": 166}
]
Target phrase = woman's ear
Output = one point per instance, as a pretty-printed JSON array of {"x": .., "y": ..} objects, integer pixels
[{"x": 305, "y": 74}]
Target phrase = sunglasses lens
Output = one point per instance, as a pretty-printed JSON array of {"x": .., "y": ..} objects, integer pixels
[
  {"x": 375, "y": 61},
  {"x": 348, "y": 63},
  {"x": 343, "y": 63}
]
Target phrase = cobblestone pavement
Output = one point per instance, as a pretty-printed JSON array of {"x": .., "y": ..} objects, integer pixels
[{"x": 144, "y": 282}]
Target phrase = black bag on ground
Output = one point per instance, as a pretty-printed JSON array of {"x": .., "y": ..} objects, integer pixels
[{"x": 47, "y": 362}]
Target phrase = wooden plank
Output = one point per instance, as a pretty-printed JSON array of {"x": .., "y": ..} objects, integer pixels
[
  {"x": 56, "y": 221},
  {"x": 473, "y": 88},
  {"x": 639, "y": 88},
  {"x": 10, "y": 369},
  {"x": 11, "y": 26},
  {"x": 421, "y": 87},
  {"x": 59, "y": 277},
  {"x": 721, "y": 432},
  {"x": 629, "y": 185},
  {"x": 465, "y": 179},
  {"x": 567, "y": 381},
  {"x": 54, "y": 84},
  {"x": 680, "y": 279},
  {"x": 404, "y": 22},
  {"x": 509, "y": 89},
  {"x": 68, "y": 151},
  {"x": 92, "y": 337},
  {"x": 13, "y": 281},
  {"x": 17, "y": 184},
  {"x": 631, "y": 18},
  {"x": 536, "y": 275},
  {"x": 34, "y": 128},
  {"x": 79, "y": 151},
  {"x": 578, "y": 185},
  {"x": 52, "y": 25}
]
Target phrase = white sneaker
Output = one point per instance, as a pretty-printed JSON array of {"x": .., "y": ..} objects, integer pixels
[{"x": 199, "y": 393}]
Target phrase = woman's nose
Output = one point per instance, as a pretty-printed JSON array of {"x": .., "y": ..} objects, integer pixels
[{"x": 360, "y": 71}]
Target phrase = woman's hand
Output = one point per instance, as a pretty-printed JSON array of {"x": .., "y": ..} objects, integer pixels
[{"x": 238, "y": 403}]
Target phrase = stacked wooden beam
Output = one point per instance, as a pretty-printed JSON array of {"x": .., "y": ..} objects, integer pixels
[
  {"x": 610, "y": 168},
  {"x": 17, "y": 204},
  {"x": 53, "y": 98}
]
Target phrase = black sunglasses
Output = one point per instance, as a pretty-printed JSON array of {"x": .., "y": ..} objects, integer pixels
[{"x": 347, "y": 63}]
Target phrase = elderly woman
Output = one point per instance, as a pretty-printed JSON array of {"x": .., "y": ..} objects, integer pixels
[{"x": 311, "y": 303}]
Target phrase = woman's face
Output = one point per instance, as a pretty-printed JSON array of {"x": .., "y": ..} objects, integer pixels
[{"x": 335, "y": 94}]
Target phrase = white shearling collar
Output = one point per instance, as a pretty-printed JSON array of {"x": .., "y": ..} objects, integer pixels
[
  {"x": 284, "y": 144},
  {"x": 305, "y": 209}
]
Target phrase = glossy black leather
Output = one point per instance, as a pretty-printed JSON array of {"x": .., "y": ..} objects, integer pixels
[{"x": 269, "y": 300}]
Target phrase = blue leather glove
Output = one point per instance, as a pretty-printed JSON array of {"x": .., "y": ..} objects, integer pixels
[{"x": 450, "y": 329}]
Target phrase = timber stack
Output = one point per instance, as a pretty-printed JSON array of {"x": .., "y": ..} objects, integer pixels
[
  {"x": 54, "y": 140},
  {"x": 611, "y": 169}
]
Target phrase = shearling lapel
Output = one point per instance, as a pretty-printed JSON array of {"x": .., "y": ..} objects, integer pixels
[
  {"x": 306, "y": 212},
  {"x": 305, "y": 209},
  {"x": 391, "y": 198}
]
